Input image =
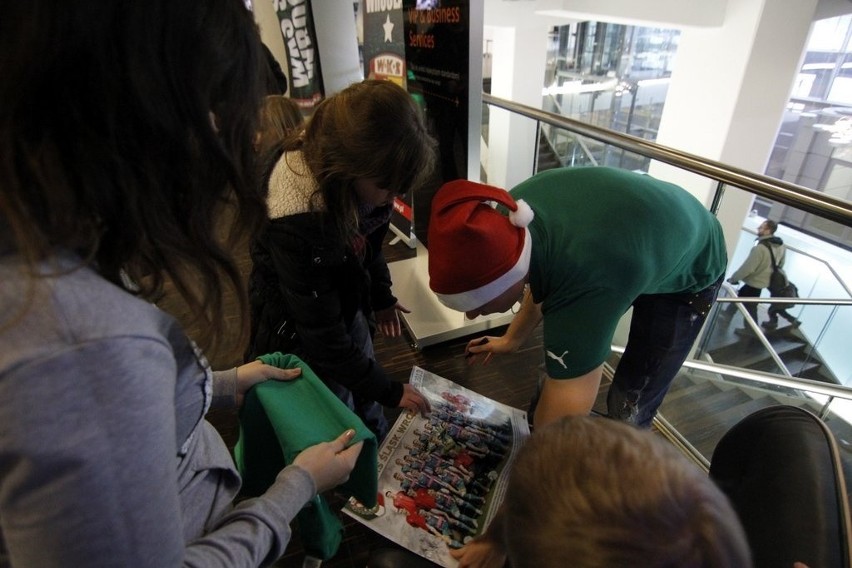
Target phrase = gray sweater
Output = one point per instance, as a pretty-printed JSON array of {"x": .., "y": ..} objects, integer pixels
[
  {"x": 105, "y": 456},
  {"x": 756, "y": 269}
]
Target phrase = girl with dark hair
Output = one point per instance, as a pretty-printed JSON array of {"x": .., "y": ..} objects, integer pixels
[
  {"x": 126, "y": 134},
  {"x": 320, "y": 285}
]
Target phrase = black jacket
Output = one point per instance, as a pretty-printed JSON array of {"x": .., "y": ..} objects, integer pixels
[{"x": 305, "y": 290}]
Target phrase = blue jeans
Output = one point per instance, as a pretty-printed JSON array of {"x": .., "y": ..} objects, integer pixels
[{"x": 662, "y": 332}]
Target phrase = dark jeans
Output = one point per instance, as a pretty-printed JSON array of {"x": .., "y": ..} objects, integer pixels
[
  {"x": 747, "y": 291},
  {"x": 370, "y": 411},
  {"x": 780, "y": 311},
  {"x": 662, "y": 332}
]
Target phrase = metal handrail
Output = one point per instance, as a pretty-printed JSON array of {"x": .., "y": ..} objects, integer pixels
[
  {"x": 758, "y": 333},
  {"x": 809, "y": 385},
  {"x": 791, "y": 194},
  {"x": 782, "y": 300},
  {"x": 580, "y": 141},
  {"x": 794, "y": 195},
  {"x": 680, "y": 441}
]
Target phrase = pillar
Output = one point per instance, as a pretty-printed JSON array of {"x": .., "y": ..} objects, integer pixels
[
  {"x": 518, "y": 66},
  {"x": 728, "y": 92}
]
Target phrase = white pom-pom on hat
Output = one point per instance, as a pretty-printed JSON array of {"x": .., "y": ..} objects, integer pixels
[{"x": 523, "y": 216}]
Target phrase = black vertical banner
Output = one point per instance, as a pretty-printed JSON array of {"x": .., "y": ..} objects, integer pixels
[
  {"x": 300, "y": 43},
  {"x": 384, "y": 58},
  {"x": 437, "y": 49},
  {"x": 384, "y": 49}
]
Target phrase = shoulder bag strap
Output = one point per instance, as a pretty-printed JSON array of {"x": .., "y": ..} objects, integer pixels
[{"x": 771, "y": 255}]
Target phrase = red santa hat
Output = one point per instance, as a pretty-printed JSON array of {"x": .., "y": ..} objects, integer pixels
[{"x": 475, "y": 252}]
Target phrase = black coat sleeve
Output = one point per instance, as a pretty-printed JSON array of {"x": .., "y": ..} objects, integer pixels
[{"x": 381, "y": 296}]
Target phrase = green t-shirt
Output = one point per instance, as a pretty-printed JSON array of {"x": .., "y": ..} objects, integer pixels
[{"x": 601, "y": 237}]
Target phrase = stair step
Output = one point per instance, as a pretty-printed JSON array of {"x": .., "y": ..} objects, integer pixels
[
  {"x": 736, "y": 409},
  {"x": 706, "y": 431},
  {"x": 754, "y": 355},
  {"x": 758, "y": 389},
  {"x": 751, "y": 353},
  {"x": 732, "y": 348},
  {"x": 678, "y": 391},
  {"x": 821, "y": 373},
  {"x": 707, "y": 404},
  {"x": 796, "y": 365},
  {"x": 783, "y": 344},
  {"x": 685, "y": 379},
  {"x": 769, "y": 365}
]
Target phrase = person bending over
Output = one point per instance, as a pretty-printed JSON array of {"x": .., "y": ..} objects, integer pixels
[{"x": 581, "y": 246}]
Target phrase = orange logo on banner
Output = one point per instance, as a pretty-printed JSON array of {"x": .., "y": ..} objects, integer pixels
[{"x": 388, "y": 66}]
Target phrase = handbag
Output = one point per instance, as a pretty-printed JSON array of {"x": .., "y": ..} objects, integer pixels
[{"x": 778, "y": 280}]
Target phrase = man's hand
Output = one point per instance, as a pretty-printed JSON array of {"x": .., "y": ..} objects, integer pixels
[
  {"x": 524, "y": 322},
  {"x": 488, "y": 346}
]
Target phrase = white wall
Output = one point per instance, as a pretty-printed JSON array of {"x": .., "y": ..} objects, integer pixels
[{"x": 519, "y": 49}]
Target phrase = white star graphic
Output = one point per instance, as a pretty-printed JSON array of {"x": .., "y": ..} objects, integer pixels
[{"x": 388, "y": 25}]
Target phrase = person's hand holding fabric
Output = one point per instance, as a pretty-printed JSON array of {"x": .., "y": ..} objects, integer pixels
[
  {"x": 256, "y": 372},
  {"x": 330, "y": 463}
]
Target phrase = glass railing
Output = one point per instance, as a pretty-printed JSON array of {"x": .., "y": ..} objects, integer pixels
[
  {"x": 826, "y": 326},
  {"x": 738, "y": 365}
]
